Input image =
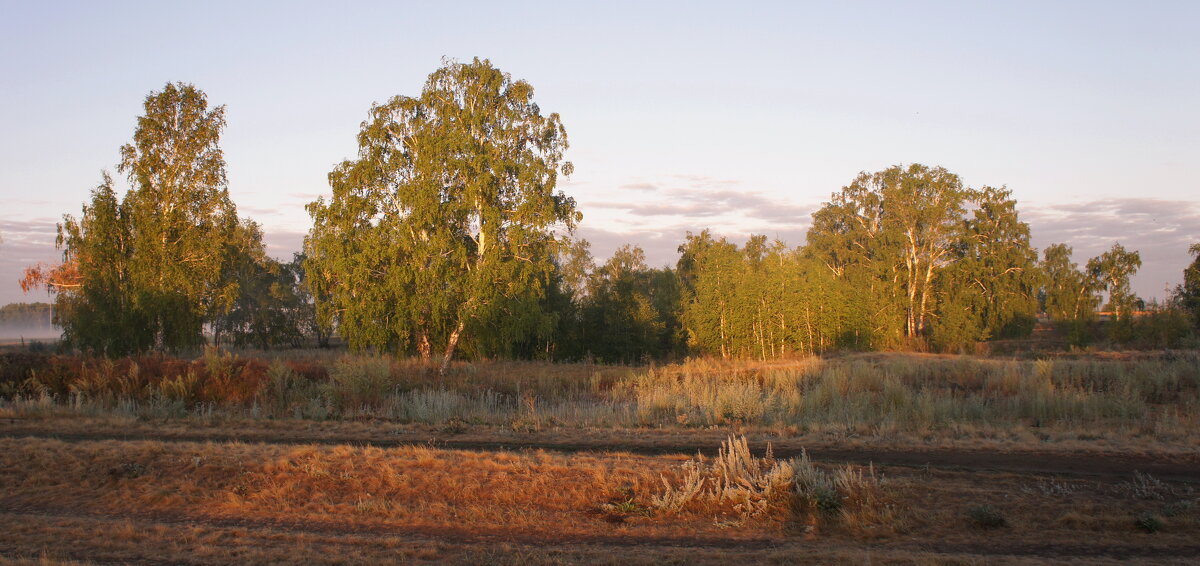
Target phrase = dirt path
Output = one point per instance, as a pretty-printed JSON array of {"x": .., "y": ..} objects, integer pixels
[
  {"x": 595, "y": 545},
  {"x": 1175, "y": 467},
  {"x": 157, "y": 531}
]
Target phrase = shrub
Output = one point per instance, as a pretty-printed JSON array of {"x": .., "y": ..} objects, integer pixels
[
  {"x": 356, "y": 383},
  {"x": 1148, "y": 522},
  {"x": 753, "y": 487},
  {"x": 986, "y": 516}
]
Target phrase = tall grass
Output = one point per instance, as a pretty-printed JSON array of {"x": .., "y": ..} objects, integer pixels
[
  {"x": 873, "y": 392},
  {"x": 736, "y": 481}
]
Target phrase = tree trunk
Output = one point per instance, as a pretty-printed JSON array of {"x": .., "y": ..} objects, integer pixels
[
  {"x": 451, "y": 344},
  {"x": 724, "y": 352},
  {"x": 808, "y": 324},
  {"x": 424, "y": 349},
  {"x": 924, "y": 298}
]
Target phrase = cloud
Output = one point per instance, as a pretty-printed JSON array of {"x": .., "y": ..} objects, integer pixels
[
  {"x": 707, "y": 198},
  {"x": 306, "y": 197},
  {"x": 662, "y": 244},
  {"x": 641, "y": 186},
  {"x": 706, "y": 182},
  {"x": 281, "y": 244},
  {"x": 253, "y": 211},
  {"x": 26, "y": 242},
  {"x": 1160, "y": 230},
  {"x": 1164, "y": 223}
]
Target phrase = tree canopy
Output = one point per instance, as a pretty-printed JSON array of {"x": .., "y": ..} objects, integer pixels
[
  {"x": 446, "y": 222},
  {"x": 1188, "y": 292},
  {"x": 148, "y": 271},
  {"x": 447, "y": 234}
]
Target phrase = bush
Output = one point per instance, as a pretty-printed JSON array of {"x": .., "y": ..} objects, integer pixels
[
  {"x": 357, "y": 383},
  {"x": 1147, "y": 522},
  {"x": 755, "y": 487},
  {"x": 986, "y": 516}
]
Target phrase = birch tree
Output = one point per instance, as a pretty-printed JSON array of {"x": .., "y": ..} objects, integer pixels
[
  {"x": 889, "y": 233},
  {"x": 146, "y": 272},
  {"x": 180, "y": 216},
  {"x": 447, "y": 219},
  {"x": 1112, "y": 269}
]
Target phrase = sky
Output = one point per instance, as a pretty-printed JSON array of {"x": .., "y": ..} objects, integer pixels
[{"x": 738, "y": 117}]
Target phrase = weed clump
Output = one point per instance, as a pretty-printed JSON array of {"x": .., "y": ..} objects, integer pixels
[
  {"x": 1147, "y": 522},
  {"x": 986, "y": 516},
  {"x": 1177, "y": 508},
  {"x": 736, "y": 481},
  {"x": 128, "y": 470}
]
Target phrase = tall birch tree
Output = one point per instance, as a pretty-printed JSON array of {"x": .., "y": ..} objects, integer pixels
[
  {"x": 447, "y": 220},
  {"x": 180, "y": 216},
  {"x": 148, "y": 271}
]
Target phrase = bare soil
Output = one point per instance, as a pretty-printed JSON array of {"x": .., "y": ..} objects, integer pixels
[
  {"x": 169, "y": 493},
  {"x": 1179, "y": 465}
]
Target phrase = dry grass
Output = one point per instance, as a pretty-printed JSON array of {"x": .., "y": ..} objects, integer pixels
[
  {"x": 1098, "y": 399},
  {"x": 224, "y": 501},
  {"x": 736, "y": 487},
  {"x": 134, "y": 501}
]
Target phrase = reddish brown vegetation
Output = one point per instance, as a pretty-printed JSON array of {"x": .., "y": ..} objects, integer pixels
[
  {"x": 53, "y": 279},
  {"x": 130, "y": 501},
  {"x": 216, "y": 379}
]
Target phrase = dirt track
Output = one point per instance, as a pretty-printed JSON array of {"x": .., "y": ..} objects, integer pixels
[
  {"x": 592, "y": 547},
  {"x": 954, "y": 478},
  {"x": 1177, "y": 467}
]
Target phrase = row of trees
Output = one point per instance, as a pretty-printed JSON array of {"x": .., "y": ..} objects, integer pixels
[
  {"x": 34, "y": 316},
  {"x": 447, "y": 236}
]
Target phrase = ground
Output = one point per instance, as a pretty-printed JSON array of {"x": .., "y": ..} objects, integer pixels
[{"x": 108, "y": 490}]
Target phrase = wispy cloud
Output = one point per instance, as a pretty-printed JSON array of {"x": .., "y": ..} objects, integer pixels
[
  {"x": 1159, "y": 229},
  {"x": 25, "y": 243},
  {"x": 662, "y": 244},
  {"x": 688, "y": 197},
  {"x": 281, "y": 244}
]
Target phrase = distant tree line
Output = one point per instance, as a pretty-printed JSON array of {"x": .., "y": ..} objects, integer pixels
[
  {"x": 26, "y": 315},
  {"x": 446, "y": 236}
]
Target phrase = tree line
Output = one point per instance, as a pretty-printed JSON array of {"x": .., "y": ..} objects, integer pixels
[
  {"x": 447, "y": 236},
  {"x": 26, "y": 315}
]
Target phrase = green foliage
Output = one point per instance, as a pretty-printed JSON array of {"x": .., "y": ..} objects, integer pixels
[
  {"x": 180, "y": 217},
  {"x": 444, "y": 225},
  {"x": 986, "y": 516},
  {"x": 97, "y": 311},
  {"x": 271, "y": 308},
  {"x": 899, "y": 240},
  {"x": 762, "y": 301},
  {"x": 447, "y": 234},
  {"x": 1148, "y": 522},
  {"x": 1163, "y": 326},
  {"x": 888, "y": 234},
  {"x": 629, "y": 312},
  {"x": 989, "y": 290},
  {"x": 146, "y": 272},
  {"x": 1112, "y": 270},
  {"x": 1069, "y": 296},
  {"x": 1188, "y": 293},
  {"x": 892, "y": 260}
]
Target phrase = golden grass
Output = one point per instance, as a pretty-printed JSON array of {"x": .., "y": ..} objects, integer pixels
[
  {"x": 1100, "y": 400},
  {"x": 118, "y": 501}
]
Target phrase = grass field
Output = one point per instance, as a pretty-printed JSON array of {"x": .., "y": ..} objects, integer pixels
[{"x": 870, "y": 458}]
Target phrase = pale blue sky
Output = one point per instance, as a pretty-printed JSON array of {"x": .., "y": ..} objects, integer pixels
[{"x": 681, "y": 116}]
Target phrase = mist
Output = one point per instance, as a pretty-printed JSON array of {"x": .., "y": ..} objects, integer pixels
[{"x": 14, "y": 333}]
